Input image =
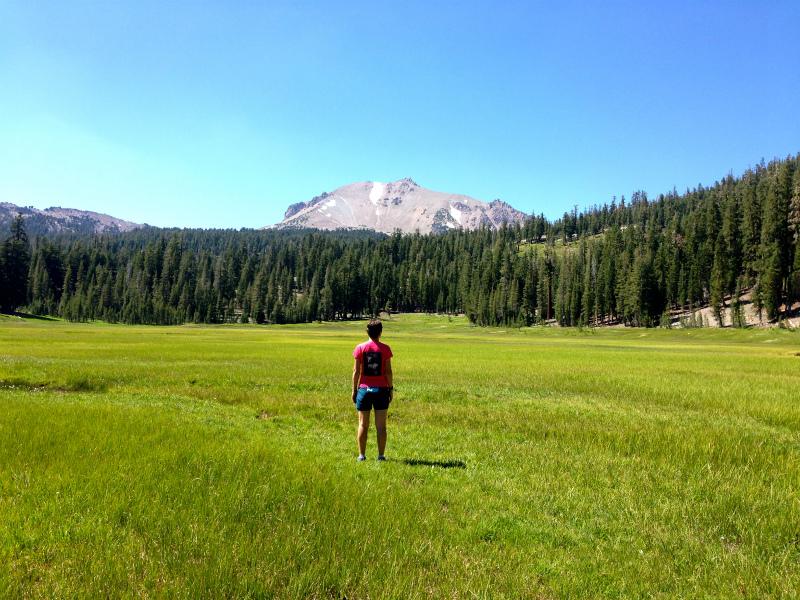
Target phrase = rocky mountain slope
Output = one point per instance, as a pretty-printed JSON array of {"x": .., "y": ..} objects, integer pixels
[
  {"x": 400, "y": 205},
  {"x": 61, "y": 220}
]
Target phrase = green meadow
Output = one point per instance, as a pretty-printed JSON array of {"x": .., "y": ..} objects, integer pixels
[{"x": 220, "y": 462}]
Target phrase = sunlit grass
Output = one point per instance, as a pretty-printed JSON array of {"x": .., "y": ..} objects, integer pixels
[{"x": 220, "y": 462}]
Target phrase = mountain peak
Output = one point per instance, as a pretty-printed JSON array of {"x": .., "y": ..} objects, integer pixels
[{"x": 401, "y": 204}]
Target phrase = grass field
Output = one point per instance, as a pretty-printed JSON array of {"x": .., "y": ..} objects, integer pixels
[{"x": 219, "y": 462}]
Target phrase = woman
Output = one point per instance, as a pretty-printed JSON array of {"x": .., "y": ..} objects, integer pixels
[{"x": 372, "y": 387}]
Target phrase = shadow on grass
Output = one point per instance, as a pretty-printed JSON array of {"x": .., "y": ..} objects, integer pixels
[
  {"x": 30, "y": 316},
  {"x": 443, "y": 464}
]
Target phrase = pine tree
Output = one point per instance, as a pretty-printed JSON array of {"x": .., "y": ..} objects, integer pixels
[
  {"x": 14, "y": 266},
  {"x": 794, "y": 226},
  {"x": 772, "y": 282},
  {"x": 718, "y": 281},
  {"x": 326, "y": 297},
  {"x": 751, "y": 221},
  {"x": 737, "y": 315},
  {"x": 757, "y": 299},
  {"x": 731, "y": 232}
]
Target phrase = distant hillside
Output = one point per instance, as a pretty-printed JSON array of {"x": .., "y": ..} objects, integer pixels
[
  {"x": 402, "y": 205},
  {"x": 724, "y": 255},
  {"x": 62, "y": 220}
]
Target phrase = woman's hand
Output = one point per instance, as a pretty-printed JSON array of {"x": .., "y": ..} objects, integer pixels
[{"x": 354, "y": 395}]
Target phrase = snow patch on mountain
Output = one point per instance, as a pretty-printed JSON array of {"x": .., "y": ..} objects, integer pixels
[{"x": 376, "y": 193}]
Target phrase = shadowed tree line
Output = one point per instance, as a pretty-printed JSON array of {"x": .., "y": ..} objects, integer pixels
[{"x": 630, "y": 262}]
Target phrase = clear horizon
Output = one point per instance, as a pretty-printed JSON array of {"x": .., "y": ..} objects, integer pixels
[{"x": 222, "y": 115}]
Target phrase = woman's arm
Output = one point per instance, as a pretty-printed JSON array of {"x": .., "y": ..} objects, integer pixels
[
  {"x": 388, "y": 365},
  {"x": 356, "y": 378}
]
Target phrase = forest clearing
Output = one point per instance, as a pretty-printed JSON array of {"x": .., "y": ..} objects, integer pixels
[{"x": 543, "y": 462}]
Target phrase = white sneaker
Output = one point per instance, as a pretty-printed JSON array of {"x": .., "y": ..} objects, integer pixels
[{"x": 362, "y": 458}]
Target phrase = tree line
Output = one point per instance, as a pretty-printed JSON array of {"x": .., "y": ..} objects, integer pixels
[{"x": 633, "y": 262}]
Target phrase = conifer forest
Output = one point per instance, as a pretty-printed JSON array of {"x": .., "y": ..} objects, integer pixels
[{"x": 637, "y": 262}]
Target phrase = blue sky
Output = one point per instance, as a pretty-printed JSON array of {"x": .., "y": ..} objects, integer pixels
[{"x": 223, "y": 114}]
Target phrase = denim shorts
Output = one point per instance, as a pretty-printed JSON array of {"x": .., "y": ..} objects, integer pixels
[{"x": 372, "y": 397}]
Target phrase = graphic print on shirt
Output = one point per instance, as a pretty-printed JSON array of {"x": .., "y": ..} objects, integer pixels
[{"x": 372, "y": 364}]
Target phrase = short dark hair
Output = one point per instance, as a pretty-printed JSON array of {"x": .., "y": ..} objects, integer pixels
[{"x": 374, "y": 328}]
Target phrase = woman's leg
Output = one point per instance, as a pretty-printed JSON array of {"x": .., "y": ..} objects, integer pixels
[
  {"x": 380, "y": 427},
  {"x": 363, "y": 428}
]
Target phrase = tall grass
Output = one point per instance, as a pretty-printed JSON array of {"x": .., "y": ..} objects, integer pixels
[{"x": 220, "y": 462}]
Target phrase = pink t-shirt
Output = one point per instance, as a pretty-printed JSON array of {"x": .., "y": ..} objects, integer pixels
[{"x": 373, "y": 356}]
